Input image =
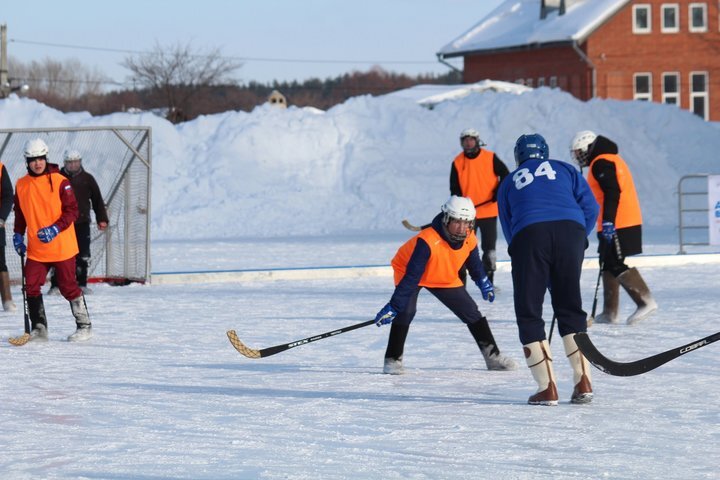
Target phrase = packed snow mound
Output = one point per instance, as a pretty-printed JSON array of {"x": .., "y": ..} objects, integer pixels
[{"x": 364, "y": 165}]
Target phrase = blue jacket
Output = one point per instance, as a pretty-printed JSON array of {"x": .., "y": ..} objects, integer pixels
[
  {"x": 545, "y": 191},
  {"x": 418, "y": 262}
]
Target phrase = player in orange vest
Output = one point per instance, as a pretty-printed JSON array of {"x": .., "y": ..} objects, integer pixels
[
  {"x": 45, "y": 206},
  {"x": 432, "y": 260},
  {"x": 476, "y": 173},
  {"x": 620, "y": 219}
]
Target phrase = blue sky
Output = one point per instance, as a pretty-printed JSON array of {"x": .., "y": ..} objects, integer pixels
[{"x": 281, "y": 39}]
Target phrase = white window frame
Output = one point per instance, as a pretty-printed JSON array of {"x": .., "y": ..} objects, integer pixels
[
  {"x": 541, "y": 82},
  {"x": 668, "y": 95},
  {"x": 553, "y": 82},
  {"x": 529, "y": 82},
  {"x": 704, "y": 27},
  {"x": 705, "y": 94},
  {"x": 669, "y": 6},
  {"x": 635, "y": 9},
  {"x": 644, "y": 96},
  {"x": 520, "y": 81}
]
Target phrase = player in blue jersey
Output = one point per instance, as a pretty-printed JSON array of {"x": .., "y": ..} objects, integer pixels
[{"x": 546, "y": 211}]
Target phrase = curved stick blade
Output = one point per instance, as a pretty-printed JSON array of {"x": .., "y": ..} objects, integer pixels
[
  {"x": 241, "y": 347},
  {"x": 410, "y": 226},
  {"x": 19, "y": 341}
]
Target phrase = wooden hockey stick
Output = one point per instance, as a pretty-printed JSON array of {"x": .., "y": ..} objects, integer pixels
[{"x": 266, "y": 352}]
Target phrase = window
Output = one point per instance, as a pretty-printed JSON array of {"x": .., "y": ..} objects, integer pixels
[
  {"x": 699, "y": 94},
  {"x": 643, "y": 87},
  {"x": 669, "y": 15},
  {"x": 671, "y": 88},
  {"x": 541, "y": 82},
  {"x": 553, "y": 82},
  {"x": 641, "y": 18},
  {"x": 697, "y": 13},
  {"x": 529, "y": 82}
]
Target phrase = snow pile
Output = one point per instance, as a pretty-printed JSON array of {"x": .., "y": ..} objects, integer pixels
[{"x": 367, "y": 163}]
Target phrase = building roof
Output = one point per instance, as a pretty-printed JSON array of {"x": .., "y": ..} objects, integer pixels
[{"x": 517, "y": 23}]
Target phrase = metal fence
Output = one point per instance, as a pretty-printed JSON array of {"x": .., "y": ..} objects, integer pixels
[
  {"x": 120, "y": 160},
  {"x": 693, "y": 226}
]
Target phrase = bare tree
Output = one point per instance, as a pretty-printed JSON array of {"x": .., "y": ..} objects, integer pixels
[
  {"x": 59, "y": 81},
  {"x": 180, "y": 73}
]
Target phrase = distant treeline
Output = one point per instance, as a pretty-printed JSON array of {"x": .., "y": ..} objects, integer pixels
[{"x": 321, "y": 94}]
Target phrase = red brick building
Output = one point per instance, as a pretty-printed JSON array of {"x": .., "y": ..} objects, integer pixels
[{"x": 658, "y": 50}]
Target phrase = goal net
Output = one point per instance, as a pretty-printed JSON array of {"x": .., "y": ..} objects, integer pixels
[{"x": 120, "y": 160}]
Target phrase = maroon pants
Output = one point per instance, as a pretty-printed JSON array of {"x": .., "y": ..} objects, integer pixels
[{"x": 36, "y": 273}]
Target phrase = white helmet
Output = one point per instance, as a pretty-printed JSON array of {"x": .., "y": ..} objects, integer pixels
[
  {"x": 458, "y": 208},
  {"x": 72, "y": 155},
  {"x": 471, "y": 132},
  {"x": 35, "y": 148},
  {"x": 580, "y": 147}
]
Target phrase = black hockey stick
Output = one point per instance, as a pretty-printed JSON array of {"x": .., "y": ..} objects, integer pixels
[
  {"x": 552, "y": 327},
  {"x": 629, "y": 369},
  {"x": 266, "y": 352},
  {"x": 25, "y": 337},
  {"x": 591, "y": 318}
]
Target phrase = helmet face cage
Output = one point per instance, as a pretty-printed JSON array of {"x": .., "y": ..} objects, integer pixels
[
  {"x": 580, "y": 147},
  {"x": 460, "y": 209},
  {"x": 531, "y": 146}
]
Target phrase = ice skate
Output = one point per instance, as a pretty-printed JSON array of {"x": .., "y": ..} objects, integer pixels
[
  {"x": 39, "y": 333},
  {"x": 82, "y": 320},
  {"x": 496, "y": 360},
  {"x": 638, "y": 290},
  {"x": 537, "y": 356},
  {"x": 611, "y": 299},
  {"x": 82, "y": 334},
  {"x": 582, "y": 392},
  {"x": 393, "y": 366}
]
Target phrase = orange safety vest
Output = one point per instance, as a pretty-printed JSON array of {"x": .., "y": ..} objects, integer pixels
[
  {"x": 478, "y": 181},
  {"x": 444, "y": 263},
  {"x": 40, "y": 203},
  {"x": 628, "y": 211}
]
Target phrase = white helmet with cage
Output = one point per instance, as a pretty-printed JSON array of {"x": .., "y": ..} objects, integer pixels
[
  {"x": 458, "y": 208},
  {"x": 580, "y": 147},
  {"x": 35, "y": 148}
]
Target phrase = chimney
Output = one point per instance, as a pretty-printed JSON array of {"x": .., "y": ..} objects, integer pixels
[{"x": 548, "y": 6}]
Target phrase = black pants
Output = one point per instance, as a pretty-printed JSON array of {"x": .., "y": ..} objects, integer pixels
[
  {"x": 548, "y": 254},
  {"x": 457, "y": 299},
  {"x": 82, "y": 232},
  {"x": 486, "y": 230}
]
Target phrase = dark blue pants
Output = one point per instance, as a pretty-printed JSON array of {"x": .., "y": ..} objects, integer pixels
[
  {"x": 548, "y": 254},
  {"x": 457, "y": 299}
]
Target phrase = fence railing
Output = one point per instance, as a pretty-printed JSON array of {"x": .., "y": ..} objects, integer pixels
[{"x": 693, "y": 225}]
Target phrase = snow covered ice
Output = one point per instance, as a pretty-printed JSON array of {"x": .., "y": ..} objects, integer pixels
[{"x": 159, "y": 392}]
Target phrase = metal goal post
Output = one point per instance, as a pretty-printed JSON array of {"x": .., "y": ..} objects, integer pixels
[{"x": 120, "y": 160}]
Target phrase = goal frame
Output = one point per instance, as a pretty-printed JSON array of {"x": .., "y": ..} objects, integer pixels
[{"x": 120, "y": 159}]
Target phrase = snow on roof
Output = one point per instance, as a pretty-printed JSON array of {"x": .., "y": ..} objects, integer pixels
[
  {"x": 430, "y": 95},
  {"x": 515, "y": 23}
]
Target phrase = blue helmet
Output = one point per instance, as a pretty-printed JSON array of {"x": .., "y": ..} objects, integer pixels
[{"x": 531, "y": 146}]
